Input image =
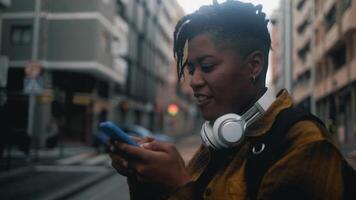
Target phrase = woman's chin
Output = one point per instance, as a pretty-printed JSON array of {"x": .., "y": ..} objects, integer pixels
[{"x": 209, "y": 116}]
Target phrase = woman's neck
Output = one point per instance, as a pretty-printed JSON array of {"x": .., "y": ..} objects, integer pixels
[{"x": 259, "y": 93}]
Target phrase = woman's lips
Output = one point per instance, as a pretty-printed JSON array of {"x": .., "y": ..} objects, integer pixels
[{"x": 202, "y": 99}]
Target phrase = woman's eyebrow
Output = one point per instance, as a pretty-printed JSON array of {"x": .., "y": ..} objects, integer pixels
[
  {"x": 198, "y": 59},
  {"x": 201, "y": 58}
]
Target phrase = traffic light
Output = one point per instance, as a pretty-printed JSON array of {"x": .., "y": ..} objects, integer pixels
[{"x": 173, "y": 109}]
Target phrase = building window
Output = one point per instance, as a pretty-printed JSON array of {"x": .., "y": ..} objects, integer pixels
[
  {"x": 330, "y": 18},
  {"x": 338, "y": 57},
  {"x": 303, "y": 26},
  {"x": 302, "y": 53},
  {"x": 21, "y": 35},
  {"x": 300, "y": 5},
  {"x": 345, "y": 4}
]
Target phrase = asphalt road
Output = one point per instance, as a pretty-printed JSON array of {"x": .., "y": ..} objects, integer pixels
[{"x": 113, "y": 187}]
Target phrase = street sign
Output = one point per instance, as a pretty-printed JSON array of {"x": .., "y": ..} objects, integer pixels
[
  {"x": 32, "y": 86},
  {"x": 33, "y": 69}
]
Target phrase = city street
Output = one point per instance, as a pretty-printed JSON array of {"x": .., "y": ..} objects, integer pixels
[
  {"x": 70, "y": 71},
  {"x": 112, "y": 188},
  {"x": 81, "y": 174}
]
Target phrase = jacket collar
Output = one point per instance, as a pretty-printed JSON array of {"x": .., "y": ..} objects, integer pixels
[{"x": 264, "y": 124}]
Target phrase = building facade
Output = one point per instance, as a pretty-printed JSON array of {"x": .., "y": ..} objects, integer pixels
[
  {"x": 335, "y": 65},
  {"x": 100, "y": 60},
  {"x": 151, "y": 83},
  {"x": 324, "y": 66}
]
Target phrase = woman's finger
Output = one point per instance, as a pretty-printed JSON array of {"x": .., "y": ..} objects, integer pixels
[
  {"x": 158, "y": 146},
  {"x": 135, "y": 138},
  {"x": 120, "y": 168},
  {"x": 146, "y": 140}
]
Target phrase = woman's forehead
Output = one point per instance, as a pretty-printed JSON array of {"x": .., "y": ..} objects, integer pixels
[
  {"x": 204, "y": 45},
  {"x": 200, "y": 47}
]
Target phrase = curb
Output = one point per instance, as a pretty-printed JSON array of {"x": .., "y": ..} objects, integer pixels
[{"x": 77, "y": 187}]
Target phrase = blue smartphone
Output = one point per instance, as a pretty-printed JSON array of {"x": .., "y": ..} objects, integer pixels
[{"x": 109, "y": 130}]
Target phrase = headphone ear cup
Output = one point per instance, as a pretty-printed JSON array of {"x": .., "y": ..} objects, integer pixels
[
  {"x": 206, "y": 134},
  {"x": 229, "y": 129},
  {"x": 203, "y": 135}
]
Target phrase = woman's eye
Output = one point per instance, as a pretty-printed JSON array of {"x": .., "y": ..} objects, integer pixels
[{"x": 207, "y": 67}]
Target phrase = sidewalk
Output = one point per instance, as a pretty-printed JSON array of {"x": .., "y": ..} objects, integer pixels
[{"x": 49, "y": 179}]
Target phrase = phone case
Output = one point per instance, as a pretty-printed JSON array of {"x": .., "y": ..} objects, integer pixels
[{"x": 109, "y": 130}]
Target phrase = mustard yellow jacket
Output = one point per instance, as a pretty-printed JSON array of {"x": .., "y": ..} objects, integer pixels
[{"x": 311, "y": 167}]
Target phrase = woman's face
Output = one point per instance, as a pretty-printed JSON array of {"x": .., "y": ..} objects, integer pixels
[{"x": 219, "y": 78}]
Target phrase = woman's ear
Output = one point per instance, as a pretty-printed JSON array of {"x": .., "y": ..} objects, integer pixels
[{"x": 255, "y": 63}]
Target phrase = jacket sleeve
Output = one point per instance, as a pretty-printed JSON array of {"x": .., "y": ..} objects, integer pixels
[
  {"x": 144, "y": 190},
  {"x": 139, "y": 190},
  {"x": 312, "y": 171}
]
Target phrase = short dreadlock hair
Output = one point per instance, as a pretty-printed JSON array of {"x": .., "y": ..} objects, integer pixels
[{"x": 242, "y": 25}]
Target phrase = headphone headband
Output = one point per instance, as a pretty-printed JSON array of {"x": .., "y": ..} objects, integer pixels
[{"x": 228, "y": 130}]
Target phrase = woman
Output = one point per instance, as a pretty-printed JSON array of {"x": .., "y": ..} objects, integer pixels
[{"x": 227, "y": 60}]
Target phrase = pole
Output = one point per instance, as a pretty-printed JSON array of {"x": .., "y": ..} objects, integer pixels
[
  {"x": 313, "y": 67},
  {"x": 287, "y": 46},
  {"x": 32, "y": 100}
]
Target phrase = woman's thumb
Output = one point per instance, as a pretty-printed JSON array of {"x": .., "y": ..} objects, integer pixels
[{"x": 154, "y": 146}]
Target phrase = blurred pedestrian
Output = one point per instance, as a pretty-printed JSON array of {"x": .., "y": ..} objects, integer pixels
[{"x": 255, "y": 145}]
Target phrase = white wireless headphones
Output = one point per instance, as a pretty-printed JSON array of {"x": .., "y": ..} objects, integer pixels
[{"x": 228, "y": 130}]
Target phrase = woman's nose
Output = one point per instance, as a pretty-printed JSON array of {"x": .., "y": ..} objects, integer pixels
[{"x": 197, "y": 79}]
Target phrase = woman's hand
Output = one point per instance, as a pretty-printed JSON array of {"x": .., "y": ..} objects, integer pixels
[
  {"x": 157, "y": 162},
  {"x": 119, "y": 158}
]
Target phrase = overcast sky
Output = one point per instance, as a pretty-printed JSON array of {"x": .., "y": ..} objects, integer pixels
[{"x": 192, "y": 5}]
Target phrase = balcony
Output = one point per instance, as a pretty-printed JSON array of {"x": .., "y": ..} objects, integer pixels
[
  {"x": 323, "y": 87},
  {"x": 303, "y": 39},
  {"x": 301, "y": 92},
  {"x": 341, "y": 77},
  {"x": 332, "y": 37},
  {"x": 348, "y": 19},
  {"x": 328, "y": 4},
  {"x": 303, "y": 66},
  {"x": 304, "y": 14}
]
